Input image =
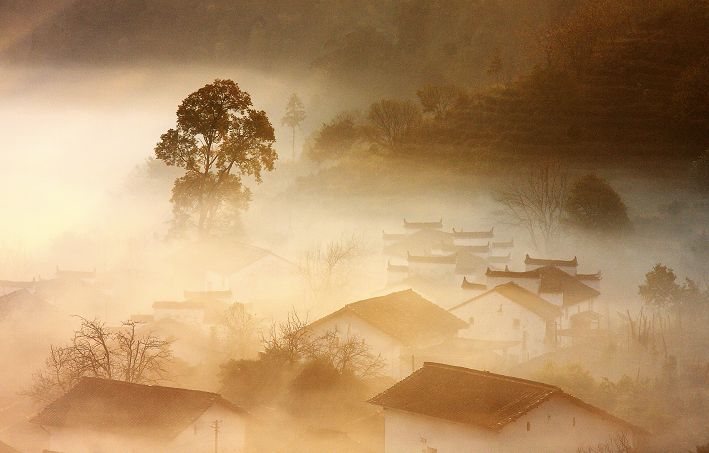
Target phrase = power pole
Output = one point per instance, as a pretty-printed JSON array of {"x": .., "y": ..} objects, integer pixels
[{"x": 217, "y": 428}]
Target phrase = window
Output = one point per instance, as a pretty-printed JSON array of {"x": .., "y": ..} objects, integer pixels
[
  {"x": 471, "y": 320},
  {"x": 515, "y": 323},
  {"x": 499, "y": 310},
  {"x": 573, "y": 421},
  {"x": 529, "y": 426}
]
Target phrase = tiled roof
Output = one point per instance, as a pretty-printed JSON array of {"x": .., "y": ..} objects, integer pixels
[
  {"x": 474, "y": 397},
  {"x": 554, "y": 280},
  {"x": 522, "y": 297},
  {"x": 512, "y": 274},
  {"x": 127, "y": 408},
  {"x": 466, "y": 248},
  {"x": 473, "y": 234},
  {"x": 544, "y": 262},
  {"x": 596, "y": 276},
  {"x": 403, "y": 315},
  {"x": 470, "y": 285}
]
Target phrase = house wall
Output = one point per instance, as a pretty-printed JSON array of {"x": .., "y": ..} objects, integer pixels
[
  {"x": 198, "y": 437},
  {"x": 555, "y": 298},
  {"x": 471, "y": 241},
  {"x": 390, "y": 349},
  {"x": 435, "y": 271},
  {"x": 557, "y": 426},
  {"x": 493, "y": 318},
  {"x": 395, "y": 277},
  {"x": 406, "y": 432}
]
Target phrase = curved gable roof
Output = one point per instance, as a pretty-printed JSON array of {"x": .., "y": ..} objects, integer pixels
[{"x": 522, "y": 297}]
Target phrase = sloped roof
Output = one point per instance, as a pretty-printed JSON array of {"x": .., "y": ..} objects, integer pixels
[
  {"x": 545, "y": 262},
  {"x": 176, "y": 305},
  {"x": 392, "y": 236},
  {"x": 23, "y": 301},
  {"x": 432, "y": 259},
  {"x": 466, "y": 248},
  {"x": 127, "y": 408},
  {"x": 473, "y": 234},
  {"x": 554, "y": 280},
  {"x": 5, "y": 448},
  {"x": 596, "y": 276},
  {"x": 403, "y": 315},
  {"x": 471, "y": 285},
  {"x": 522, "y": 297},
  {"x": 481, "y": 398}
]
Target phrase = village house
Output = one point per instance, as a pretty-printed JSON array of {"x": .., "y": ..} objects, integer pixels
[
  {"x": 109, "y": 416},
  {"x": 464, "y": 238},
  {"x": 568, "y": 266},
  {"x": 511, "y": 313},
  {"x": 448, "y": 409},
  {"x": 394, "y": 326}
]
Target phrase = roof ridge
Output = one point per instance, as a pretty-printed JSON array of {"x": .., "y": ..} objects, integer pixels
[
  {"x": 491, "y": 374},
  {"x": 155, "y": 386}
]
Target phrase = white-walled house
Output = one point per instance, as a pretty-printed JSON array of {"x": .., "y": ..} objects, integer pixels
[
  {"x": 448, "y": 409},
  {"x": 472, "y": 238},
  {"x": 511, "y": 313},
  {"x": 115, "y": 417},
  {"x": 437, "y": 267},
  {"x": 393, "y": 326}
]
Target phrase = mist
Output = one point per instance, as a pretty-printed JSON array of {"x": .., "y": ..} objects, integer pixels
[{"x": 324, "y": 226}]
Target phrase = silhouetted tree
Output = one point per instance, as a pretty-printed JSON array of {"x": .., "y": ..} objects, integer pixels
[
  {"x": 98, "y": 351},
  {"x": 438, "y": 99},
  {"x": 660, "y": 287},
  {"x": 336, "y": 138},
  {"x": 295, "y": 115},
  {"x": 218, "y": 139},
  {"x": 392, "y": 122},
  {"x": 536, "y": 203},
  {"x": 594, "y": 205}
]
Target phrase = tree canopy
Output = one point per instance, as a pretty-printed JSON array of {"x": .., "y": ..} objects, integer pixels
[
  {"x": 218, "y": 139},
  {"x": 594, "y": 205}
]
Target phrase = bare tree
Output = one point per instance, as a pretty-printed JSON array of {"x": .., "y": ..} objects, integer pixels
[
  {"x": 98, "y": 351},
  {"x": 325, "y": 265},
  {"x": 295, "y": 114},
  {"x": 536, "y": 202},
  {"x": 393, "y": 121},
  {"x": 293, "y": 341},
  {"x": 239, "y": 330}
]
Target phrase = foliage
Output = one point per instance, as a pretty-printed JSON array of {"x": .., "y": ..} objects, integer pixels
[
  {"x": 392, "y": 122},
  {"x": 336, "y": 138},
  {"x": 593, "y": 205},
  {"x": 240, "y": 336},
  {"x": 438, "y": 99},
  {"x": 294, "y": 116},
  {"x": 618, "y": 443},
  {"x": 218, "y": 139},
  {"x": 98, "y": 351},
  {"x": 660, "y": 287},
  {"x": 536, "y": 203},
  {"x": 572, "y": 377},
  {"x": 327, "y": 266}
]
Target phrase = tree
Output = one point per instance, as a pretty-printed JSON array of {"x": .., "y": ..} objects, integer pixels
[
  {"x": 218, "y": 139},
  {"x": 295, "y": 115},
  {"x": 98, "y": 351},
  {"x": 336, "y": 138},
  {"x": 438, "y": 99},
  {"x": 593, "y": 205},
  {"x": 494, "y": 68},
  {"x": 536, "y": 203},
  {"x": 392, "y": 122},
  {"x": 660, "y": 287}
]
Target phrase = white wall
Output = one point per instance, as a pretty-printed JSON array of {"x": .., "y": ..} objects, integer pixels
[
  {"x": 552, "y": 429},
  {"x": 391, "y": 350},
  {"x": 188, "y": 315},
  {"x": 493, "y": 316}
]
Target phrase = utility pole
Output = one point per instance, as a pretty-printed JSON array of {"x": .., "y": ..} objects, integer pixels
[{"x": 217, "y": 428}]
